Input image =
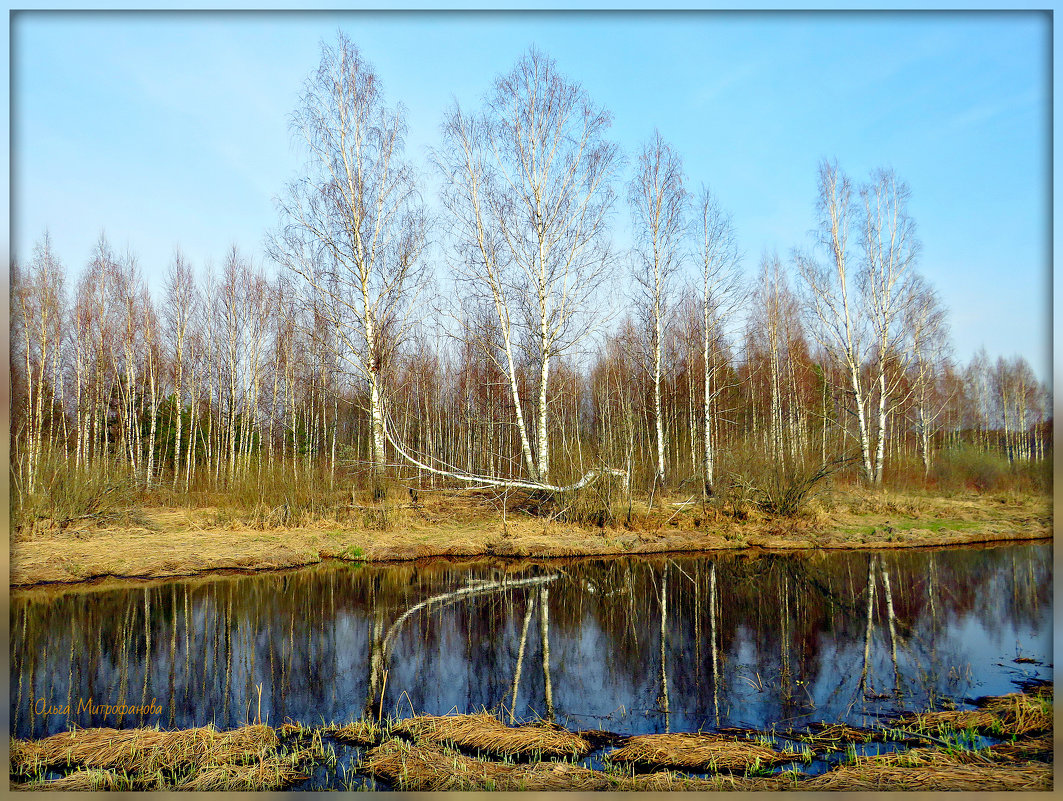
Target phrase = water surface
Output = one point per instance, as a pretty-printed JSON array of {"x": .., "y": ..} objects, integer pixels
[{"x": 632, "y": 645}]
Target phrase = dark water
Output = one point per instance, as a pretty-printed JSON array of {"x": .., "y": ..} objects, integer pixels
[{"x": 635, "y": 645}]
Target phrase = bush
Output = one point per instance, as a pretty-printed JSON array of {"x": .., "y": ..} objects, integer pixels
[
  {"x": 595, "y": 502},
  {"x": 775, "y": 486},
  {"x": 62, "y": 494}
]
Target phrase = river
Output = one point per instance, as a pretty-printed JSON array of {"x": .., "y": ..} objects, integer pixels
[{"x": 631, "y": 645}]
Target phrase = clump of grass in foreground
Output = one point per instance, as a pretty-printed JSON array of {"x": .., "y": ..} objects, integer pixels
[
  {"x": 269, "y": 773},
  {"x": 425, "y": 768},
  {"x": 89, "y": 780},
  {"x": 484, "y": 732},
  {"x": 930, "y": 771},
  {"x": 193, "y": 759},
  {"x": 698, "y": 752},
  {"x": 1015, "y": 714},
  {"x": 144, "y": 750},
  {"x": 361, "y": 732}
]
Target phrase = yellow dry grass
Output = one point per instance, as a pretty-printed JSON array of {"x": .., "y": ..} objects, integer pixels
[
  {"x": 483, "y": 732},
  {"x": 1013, "y": 714},
  {"x": 1039, "y": 748},
  {"x": 836, "y": 736},
  {"x": 87, "y": 780},
  {"x": 143, "y": 751},
  {"x": 273, "y": 773},
  {"x": 426, "y": 768},
  {"x": 361, "y": 732},
  {"x": 697, "y": 752},
  {"x": 939, "y": 775},
  {"x": 182, "y": 542}
]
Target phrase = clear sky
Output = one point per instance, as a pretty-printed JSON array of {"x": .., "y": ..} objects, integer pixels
[{"x": 166, "y": 129}]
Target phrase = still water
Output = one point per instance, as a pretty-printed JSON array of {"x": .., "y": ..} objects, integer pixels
[{"x": 630, "y": 645}]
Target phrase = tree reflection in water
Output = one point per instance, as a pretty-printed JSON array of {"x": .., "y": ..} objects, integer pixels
[{"x": 623, "y": 643}]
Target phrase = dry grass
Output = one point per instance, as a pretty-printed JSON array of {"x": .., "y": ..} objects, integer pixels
[
  {"x": 1039, "y": 748},
  {"x": 931, "y": 773},
  {"x": 485, "y": 733},
  {"x": 361, "y": 732},
  {"x": 428, "y": 768},
  {"x": 927, "y": 758},
  {"x": 87, "y": 780},
  {"x": 424, "y": 768},
  {"x": 835, "y": 736},
  {"x": 144, "y": 751},
  {"x": 273, "y": 773},
  {"x": 181, "y": 541},
  {"x": 1015, "y": 714},
  {"x": 697, "y": 752}
]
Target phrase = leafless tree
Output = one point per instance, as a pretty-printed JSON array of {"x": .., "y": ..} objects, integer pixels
[
  {"x": 527, "y": 184},
  {"x": 926, "y": 322},
  {"x": 658, "y": 203},
  {"x": 859, "y": 309},
  {"x": 354, "y": 226},
  {"x": 717, "y": 256},
  {"x": 890, "y": 250},
  {"x": 181, "y": 299}
]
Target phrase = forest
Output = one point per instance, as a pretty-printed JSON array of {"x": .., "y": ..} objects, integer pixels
[{"x": 393, "y": 339}]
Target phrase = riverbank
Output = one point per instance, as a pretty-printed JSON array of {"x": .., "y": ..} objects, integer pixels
[{"x": 159, "y": 542}]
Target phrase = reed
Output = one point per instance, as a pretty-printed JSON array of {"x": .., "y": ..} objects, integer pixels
[{"x": 485, "y": 733}]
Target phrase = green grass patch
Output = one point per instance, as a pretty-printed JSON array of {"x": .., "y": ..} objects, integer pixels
[
  {"x": 890, "y": 528},
  {"x": 353, "y": 553}
]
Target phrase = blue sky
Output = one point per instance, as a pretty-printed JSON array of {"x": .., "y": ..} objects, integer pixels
[{"x": 167, "y": 129}]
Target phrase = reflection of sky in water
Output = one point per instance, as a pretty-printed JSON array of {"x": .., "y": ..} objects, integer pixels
[{"x": 790, "y": 631}]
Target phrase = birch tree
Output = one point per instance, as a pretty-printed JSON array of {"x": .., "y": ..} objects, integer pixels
[
  {"x": 528, "y": 188},
  {"x": 858, "y": 305},
  {"x": 354, "y": 226},
  {"x": 658, "y": 204},
  {"x": 890, "y": 249},
  {"x": 717, "y": 255},
  {"x": 926, "y": 322},
  {"x": 833, "y": 299},
  {"x": 181, "y": 296}
]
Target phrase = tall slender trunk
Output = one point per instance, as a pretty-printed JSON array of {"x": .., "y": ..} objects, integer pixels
[
  {"x": 891, "y": 618},
  {"x": 544, "y": 442},
  {"x": 520, "y": 658},
  {"x": 658, "y": 413},
  {"x": 870, "y": 610},
  {"x": 544, "y": 630},
  {"x": 883, "y": 407}
]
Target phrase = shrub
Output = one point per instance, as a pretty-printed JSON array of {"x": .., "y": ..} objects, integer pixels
[
  {"x": 594, "y": 503},
  {"x": 62, "y": 494},
  {"x": 775, "y": 486}
]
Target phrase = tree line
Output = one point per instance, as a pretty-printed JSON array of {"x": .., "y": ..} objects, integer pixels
[{"x": 345, "y": 358}]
